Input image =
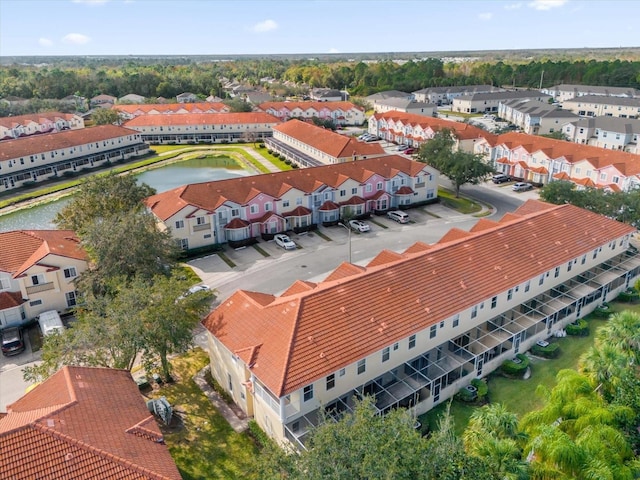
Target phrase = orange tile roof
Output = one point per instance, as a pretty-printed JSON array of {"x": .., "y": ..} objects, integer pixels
[
  {"x": 211, "y": 195},
  {"x": 462, "y": 131},
  {"x": 331, "y": 106},
  {"x": 310, "y": 334},
  {"x": 85, "y": 423},
  {"x": 21, "y": 249},
  {"x": 171, "y": 107},
  {"x": 627, "y": 163},
  {"x": 331, "y": 143},
  {"x": 11, "y": 122},
  {"x": 168, "y": 119},
  {"x": 10, "y": 300},
  {"x": 35, "y": 144}
]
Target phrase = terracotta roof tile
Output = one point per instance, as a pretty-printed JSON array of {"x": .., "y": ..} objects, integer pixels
[
  {"x": 333, "y": 144},
  {"x": 331, "y": 106},
  {"x": 462, "y": 131},
  {"x": 405, "y": 294},
  {"x": 12, "y": 122},
  {"x": 145, "y": 108},
  {"x": 89, "y": 423},
  {"x": 10, "y": 300},
  {"x": 167, "y": 119},
  {"x": 36, "y": 144},
  {"x": 22, "y": 249}
]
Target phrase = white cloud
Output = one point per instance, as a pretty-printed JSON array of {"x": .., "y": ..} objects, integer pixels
[
  {"x": 512, "y": 6},
  {"x": 76, "y": 38},
  {"x": 485, "y": 16},
  {"x": 91, "y": 2},
  {"x": 546, "y": 4},
  {"x": 265, "y": 26},
  {"x": 45, "y": 42},
  {"x": 334, "y": 50}
]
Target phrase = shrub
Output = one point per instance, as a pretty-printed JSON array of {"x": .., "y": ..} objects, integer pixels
[
  {"x": 261, "y": 438},
  {"x": 295, "y": 165},
  {"x": 483, "y": 388},
  {"x": 579, "y": 328},
  {"x": 550, "y": 351},
  {"x": 287, "y": 161},
  {"x": 269, "y": 151},
  {"x": 628, "y": 296},
  {"x": 602, "y": 311},
  {"x": 516, "y": 366},
  {"x": 261, "y": 145}
]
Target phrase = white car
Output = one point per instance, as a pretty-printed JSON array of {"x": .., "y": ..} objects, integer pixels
[
  {"x": 194, "y": 289},
  {"x": 522, "y": 187},
  {"x": 359, "y": 226},
  {"x": 285, "y": 242}
]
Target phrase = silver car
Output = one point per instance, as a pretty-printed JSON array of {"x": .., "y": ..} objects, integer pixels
[{"x": 285, "y": 242}]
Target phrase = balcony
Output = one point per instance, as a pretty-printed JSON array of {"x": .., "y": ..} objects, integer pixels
[
  {"x": 200, "y": 228},
  {"x": 42, "y": 287}
]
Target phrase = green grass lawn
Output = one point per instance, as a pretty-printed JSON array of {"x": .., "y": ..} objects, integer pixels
[
  {"x": 204, "y": 446},
  {"x": 460, "y": 204}
]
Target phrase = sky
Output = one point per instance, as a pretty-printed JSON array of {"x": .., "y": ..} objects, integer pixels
[{"x": 229, "y": 27}]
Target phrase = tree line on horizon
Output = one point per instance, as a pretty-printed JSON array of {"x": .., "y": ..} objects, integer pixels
[{"x": 359, "y": 78}]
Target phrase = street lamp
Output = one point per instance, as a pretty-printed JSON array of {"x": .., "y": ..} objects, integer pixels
[{"x": 348, "y": 230}]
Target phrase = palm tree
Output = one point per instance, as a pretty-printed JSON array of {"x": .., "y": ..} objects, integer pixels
[
  {"x": 622, "y": 331},
  {"x": 603, "y": 366}
]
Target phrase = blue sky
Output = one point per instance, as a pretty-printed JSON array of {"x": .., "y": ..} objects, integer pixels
[{"x": 223, "y": 27}]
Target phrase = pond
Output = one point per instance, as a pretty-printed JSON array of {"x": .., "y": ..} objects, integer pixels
[{"x": 161, "y": 178}]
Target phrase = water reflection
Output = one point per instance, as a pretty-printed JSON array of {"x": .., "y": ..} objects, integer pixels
[{"x": 162, "y": 179}]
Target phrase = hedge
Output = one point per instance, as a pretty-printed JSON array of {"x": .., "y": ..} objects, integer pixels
[
  {"x": 579, "y": 328},
  {"x": 550, "y": 351},
  {"x": 509, "y": 367}
]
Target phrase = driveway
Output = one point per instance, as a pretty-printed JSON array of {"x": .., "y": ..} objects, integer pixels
[{"x": 12, "y": 386}]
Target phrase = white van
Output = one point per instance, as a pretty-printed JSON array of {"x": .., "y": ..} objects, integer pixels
[
  {"x": 50, "y": 322},
  {"x": 398, "y": 216}
]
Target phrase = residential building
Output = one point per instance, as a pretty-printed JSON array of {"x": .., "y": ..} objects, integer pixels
[
  {"x": 214, "y": 99},
  {"x": 102, "y": 100},
  {"x": 606, "y": 132},
  {"x": 341, "y": 113},
  {"x": 406, "y": 106},
  {"x": 203, "y": 127},
  {"x": 445, "y": 95},
  {"x": 43, "y": 157},
  {"x": 489, "y": 102},
  {"x": 132, "y": 111},
  {"x": 388, "y": 95},
  {"x": 75, "y": 101},
  {"x": 533, "y": 117},
  {"x": 131, "y": 98},
  {"x": 563, "y": 92},
  {"x": 310, "y": 146},
  {"x": 327, "y": 95},
  {"x": 239, "y": 210},
  {"x": 256, "y": 98},
  {"x": 414, "y": 130},
  {"x": 83, "y": 422},
  {"x": 412, "y": 329},
  {"x": 38, "y": 123},
  {"x": 38, "y": 269},
  {"x": 599, "y": 106},
  {"x": 541, "y": 160},
  {"x": 14, "y": 101},
  {"x": 186, "y": 97}
]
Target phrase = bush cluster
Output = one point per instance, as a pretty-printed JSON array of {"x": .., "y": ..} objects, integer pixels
[
  {"x": 511, "y": 368},
  {"x": 550, "y": 351},
  {"x": 579, "y": 328}
]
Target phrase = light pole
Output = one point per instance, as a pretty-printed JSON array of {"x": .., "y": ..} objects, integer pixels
[{"x": 348, "y": 230}]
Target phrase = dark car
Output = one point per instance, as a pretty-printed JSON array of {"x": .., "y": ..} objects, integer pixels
[
  {"x": 12, "y": 341},
  {"x": 500, "y": 178}
]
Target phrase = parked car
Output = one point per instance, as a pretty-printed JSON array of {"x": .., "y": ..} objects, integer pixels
[
  {"x": 12, "y": 341},
  {"x": 500, "y": 178},
  {"x": 285, "y": 242},
  {"x": 372, "y": 138},
  {"x": 50, "y": 322},
  {"x": 359, "y": 226},
  {"x": 398, "y": 216},
  {"x": 410, "y": 151},
  {"x": 522, "y": 187},
  {"x": 402, "y": 148}
]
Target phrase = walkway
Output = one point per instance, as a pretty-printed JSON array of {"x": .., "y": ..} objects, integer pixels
[{"x": 237, "y": 423}]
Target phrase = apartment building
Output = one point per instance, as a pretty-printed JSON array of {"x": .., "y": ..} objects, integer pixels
[
  {"x": 238, "y": 211},
  {"x": 600, "y": 106},
  {"x": 38, "y": 123},
  {"x": 489, "y": 102},
  {"x": 340, "y": 113},
  {"x": 563, "y": 92},
  {"x": 131, "y": 111},
  {"x": 310, "y": 146},
  {"x": 28, "y": 160},
  {"x": 406, "y": 106},
  {"x": 533, "y": 117},
  {"x": 613, "y": 133},
  {"x": 38, "y": 269},
  {"x": 445, "y": 95},
  {"x": 192, "y": 128},
  {"x": 411, "y": 329}
]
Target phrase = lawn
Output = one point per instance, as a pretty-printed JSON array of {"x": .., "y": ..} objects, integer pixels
[
  {"x": 519, "y": 396},
  {"x": 203, "y": 446},
  {"x": 461, "y": 204}
]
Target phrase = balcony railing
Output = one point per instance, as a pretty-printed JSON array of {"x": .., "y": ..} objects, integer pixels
[
  {"x": 42, "y": 287},
  {"x": 204, "y": 226}
]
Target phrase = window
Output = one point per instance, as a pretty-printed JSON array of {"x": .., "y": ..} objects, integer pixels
[
  {"x": 396, "y": 346},
  {"x": 569, "y": 265},
  {"x": 200, "y": 221},
  {"x": 494, "y": 302},
  {"x": 285, "y": 203},
  {"x": 584, "y": 259},
  {"x": 37, "y": 279},
  {"x": 456, "y": 321},
  {"x": 71, "y": 299},
  {"x": 307, "y": 393},
  {"x": 412, "y": 341},
  {"x": 541, "y": 280},
  {"x": 474, "y": 311},
  {"x": 331, "y": 381},
  {"x": 229, "y": 382},
  {"x": 267, "y": 207},
  {"x": 510, "y": 294},
  {"x": 556, "y": 272},
  {"x": 342, "y": 372},
  {"x": 179, "y": 223},
  {"x": 253, "y": 208},
  {"x": 362, "y": 365},
  {"x": 35, "y": 303},
  {"x": 379, "y": 186},
  {"x": 70, "y": 272},
  {"x": 354, "y": 191},
  {"x": 343, "y": 193},
  {"x": 369, "y": 187},
  {"x": 527, "y": 286},
  {"x": 432, "y": 331},
  {"x": 183, "y": 243},
  {"x": 5, "y": 284},
  {"x": 385, "y": 354},
  {"x": 299, "y": 201}
]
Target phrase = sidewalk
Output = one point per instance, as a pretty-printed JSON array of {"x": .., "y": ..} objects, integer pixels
[{"x": 238, "y": 424}]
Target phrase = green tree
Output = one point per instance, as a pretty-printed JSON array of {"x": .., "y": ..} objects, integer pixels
[
  {"x": 106, "y": 116},
  {"x": 238, "y": 105},
  {"x": 559, "y": 192}
]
